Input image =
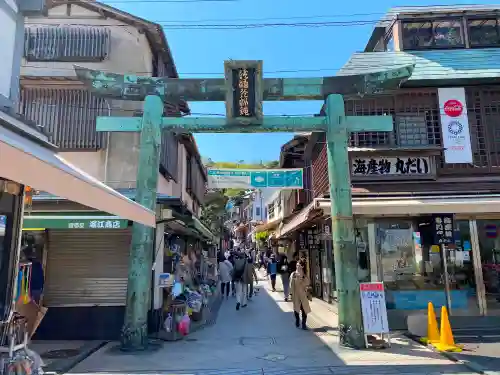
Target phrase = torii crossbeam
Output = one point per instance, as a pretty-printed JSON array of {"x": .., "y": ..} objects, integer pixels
[{"x": 244, "y": 89}]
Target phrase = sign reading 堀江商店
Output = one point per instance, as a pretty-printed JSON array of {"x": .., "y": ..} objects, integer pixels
[
  {"x": 74, "y": 222},
  {"x": 393, "y": 166},
  {"x": 455, "y": 125}
]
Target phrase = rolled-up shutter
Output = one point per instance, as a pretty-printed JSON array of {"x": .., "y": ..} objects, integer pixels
[{"x": 86, "y": 267}]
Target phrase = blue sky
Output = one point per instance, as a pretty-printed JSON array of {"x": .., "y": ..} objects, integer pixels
[{"x": 322, "y": 50}]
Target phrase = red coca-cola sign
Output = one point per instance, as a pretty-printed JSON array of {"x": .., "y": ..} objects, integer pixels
[{"x": 453, "y": 108}]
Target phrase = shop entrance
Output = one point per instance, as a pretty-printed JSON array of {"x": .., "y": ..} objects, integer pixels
[
  {"x": 413, "y": 267},
  {"x": 488, "y": 238}
]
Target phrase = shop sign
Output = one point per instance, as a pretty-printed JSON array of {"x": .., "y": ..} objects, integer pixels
[
  {"x": 165, "y": 280},
  {"x": 391, "y": 166},
  {"x": 55, "y": 222},
  {"x": 373, "y": 308},
  {"x": 223, "y": 178},
  {"x": 443, "y": 228},
  {"x": 455, "y": 125}
]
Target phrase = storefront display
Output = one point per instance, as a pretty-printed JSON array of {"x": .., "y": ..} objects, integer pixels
[
  {"x": 186, "y": 298},
  {"x": 412, "y": 268}
]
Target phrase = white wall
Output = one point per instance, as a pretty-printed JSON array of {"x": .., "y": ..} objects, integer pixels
[
  {"x": 158, "y": 265},
  {"x": 94, "y": 163},
  {"x": 8, "y": 20}
]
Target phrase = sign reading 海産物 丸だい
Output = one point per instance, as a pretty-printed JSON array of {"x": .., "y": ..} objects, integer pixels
[{"x": 255, "y": 178}]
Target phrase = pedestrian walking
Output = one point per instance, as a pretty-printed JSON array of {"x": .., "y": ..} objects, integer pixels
[
  {"x": 284, "y": 272},
  {"x": 292, "y": 267},
  {"x": 239, "y": 279},
  {"x": 250, "y": 277},
  {"x": 262, "y": 262},
  {"x": 225, "y": 272},
  {"x": 300, "y": 294},
  {"x": 272, "y": 269},
  {"x": 231, "y": 258}
]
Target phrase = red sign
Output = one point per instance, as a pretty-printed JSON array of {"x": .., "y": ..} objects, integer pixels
[
  {"x": 371, "y": 287},
  {"x": 453, "y": 108}
]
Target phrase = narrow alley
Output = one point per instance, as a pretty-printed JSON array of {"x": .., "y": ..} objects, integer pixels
[{"x": 262, "y": 339}]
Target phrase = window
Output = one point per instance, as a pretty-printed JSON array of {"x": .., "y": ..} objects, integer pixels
[
  {"x": 66, "y": 43},
  {"x": 270, "y": 210},
  {"x": 411, "y": 131},
  {"x": 432, "y": 34},
  {"x": 484, "y": 32},
  {"x": 189, "y": 174},
  {"x": 257, "y": 211}
]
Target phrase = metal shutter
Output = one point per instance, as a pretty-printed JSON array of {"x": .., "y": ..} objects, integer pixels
[{"x": 86, "y": 267}]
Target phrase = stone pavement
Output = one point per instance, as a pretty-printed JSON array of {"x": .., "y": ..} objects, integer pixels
[{"x": 261, "y": 339}]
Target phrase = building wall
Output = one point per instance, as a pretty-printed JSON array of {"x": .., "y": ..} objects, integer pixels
[
  {"x": 483, "y": 106},
  {"x": 123, "y": 40},
  {"x": 185, "y": 196},
  {"x": 320, "y": 183}
]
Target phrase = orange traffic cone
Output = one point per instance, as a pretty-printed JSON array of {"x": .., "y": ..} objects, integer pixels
[
  {"x": 432, "y": 326},
  {"x": 446, "y": 341}
]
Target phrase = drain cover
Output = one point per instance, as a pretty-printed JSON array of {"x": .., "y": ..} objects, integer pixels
[
  {"x": 61, "y": 353},
  {"x": 273, "y": 357},
  {"x": 248, "y": 341}
]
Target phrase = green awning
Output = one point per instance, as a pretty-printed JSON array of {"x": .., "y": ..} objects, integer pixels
[{"x": 73, "y": 222}]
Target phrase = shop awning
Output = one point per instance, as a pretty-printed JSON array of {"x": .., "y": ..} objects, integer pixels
[
  {"x": 267, "y": 226},
  {"x": 405, "y": 205},
  {"x": 29, "y": 163},
  {"x": 298, "y": 220}
]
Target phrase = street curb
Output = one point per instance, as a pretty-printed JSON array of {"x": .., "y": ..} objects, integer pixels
[
  {"x": 66, "y": 365},
  {"x": 471, "y": 365}
]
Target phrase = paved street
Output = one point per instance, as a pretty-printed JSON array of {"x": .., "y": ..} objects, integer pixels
[
  {"x": 262, "y": 339},
  {"x": 480, "y": 346}
]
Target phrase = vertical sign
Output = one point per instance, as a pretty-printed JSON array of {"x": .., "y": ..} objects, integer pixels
[
  {"x": 243, "y": 90},
  {"x": 455, "y": 125},
  {"x": 373, "y": 308},
  {"x": 443, "y": 229}
]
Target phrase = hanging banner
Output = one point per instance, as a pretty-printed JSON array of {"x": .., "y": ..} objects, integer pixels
[
  {"x": 455, "y": 125},
  {"x": 255, "y": 178}
]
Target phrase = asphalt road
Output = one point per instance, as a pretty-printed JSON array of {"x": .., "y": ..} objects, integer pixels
[{"x": 481, "y": 346}]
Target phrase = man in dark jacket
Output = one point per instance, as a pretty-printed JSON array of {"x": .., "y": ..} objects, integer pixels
[{"x": 284, "y": 272}]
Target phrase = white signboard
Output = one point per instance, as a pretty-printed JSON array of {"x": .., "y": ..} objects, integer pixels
[
  {"x": 373, "y": 308},
  {"x": 391, "y": 166},
  {"x": 255, "y": 178},
  {"x": 165, "y": 280},
  {"x": 455, "y": 125}
]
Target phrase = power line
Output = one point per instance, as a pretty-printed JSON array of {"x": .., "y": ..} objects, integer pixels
[
  {"x": 371, "y": 63},
  {"x": 150, "y": 1},
  {"x": 271, "y": 18},
  {"x": 241, "y": 26}
]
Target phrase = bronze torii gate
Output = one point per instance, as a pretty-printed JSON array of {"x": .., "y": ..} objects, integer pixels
[{"x": 243, "y": 90}]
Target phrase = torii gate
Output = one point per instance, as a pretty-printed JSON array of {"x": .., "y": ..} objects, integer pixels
[{"x": 243, "y": 89}]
